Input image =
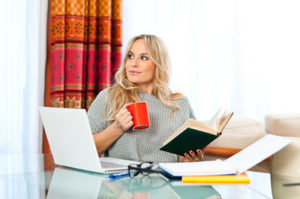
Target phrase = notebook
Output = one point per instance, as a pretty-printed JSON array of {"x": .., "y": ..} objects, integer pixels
[{"x": 72, "y": 144}]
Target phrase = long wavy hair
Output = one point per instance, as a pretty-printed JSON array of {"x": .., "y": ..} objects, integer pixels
[{"x": 123, "y": 91}]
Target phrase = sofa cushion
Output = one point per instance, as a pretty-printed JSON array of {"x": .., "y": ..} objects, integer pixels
[
  {"x": 286, "y": 162},
  {"x": 240, "y": 133},
  {"x": 283, "y": 124}
]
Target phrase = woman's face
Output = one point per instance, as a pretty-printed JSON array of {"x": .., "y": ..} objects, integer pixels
[{"x": 139, "y": 67}]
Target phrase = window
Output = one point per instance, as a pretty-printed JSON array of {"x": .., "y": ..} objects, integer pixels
[{"x": 242, "y": 55}]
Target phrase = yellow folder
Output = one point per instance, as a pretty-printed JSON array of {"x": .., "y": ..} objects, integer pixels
[{"x": 220, "y": 179}]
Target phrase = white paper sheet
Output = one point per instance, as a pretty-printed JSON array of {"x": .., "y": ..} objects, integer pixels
[{"x": 257, "y": 152}]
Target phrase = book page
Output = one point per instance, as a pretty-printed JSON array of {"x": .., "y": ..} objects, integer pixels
[
  {"x": 214, "y": 120},
  {"x": 257, "y": 152},
  {"x": 223, "y": 121},
  {"x": 219, "y": 120},
  {"x": 194, "y": 124}
]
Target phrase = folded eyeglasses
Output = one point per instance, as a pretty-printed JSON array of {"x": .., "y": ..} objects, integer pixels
[{"x": 144, "y": 168}]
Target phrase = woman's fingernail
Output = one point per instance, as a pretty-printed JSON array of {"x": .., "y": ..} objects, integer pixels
[
  {"x": 198, "y": 150},
  {"x": 191, "y": 152},
  {"x": 185, "y": 154}
]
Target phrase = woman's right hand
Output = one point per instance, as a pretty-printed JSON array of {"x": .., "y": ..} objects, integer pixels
[
  {"x": 123, "y": 118},
  {"x": 192, "y": 156}
]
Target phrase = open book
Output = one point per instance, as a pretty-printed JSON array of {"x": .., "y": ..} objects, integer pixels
[
  {"x": 193, "y": 134},
  {"x": 236, "y": 164}
]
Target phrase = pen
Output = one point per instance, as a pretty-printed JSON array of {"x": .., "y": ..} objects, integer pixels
[
  {"x": 291, "y": 184},
  {"x": 118, "y": 175}
]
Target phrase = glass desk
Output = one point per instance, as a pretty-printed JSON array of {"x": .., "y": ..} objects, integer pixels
[{"x": 35, "y": 176}]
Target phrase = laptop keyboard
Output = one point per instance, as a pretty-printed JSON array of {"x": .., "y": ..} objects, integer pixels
[{"x": 111, "y": 164}]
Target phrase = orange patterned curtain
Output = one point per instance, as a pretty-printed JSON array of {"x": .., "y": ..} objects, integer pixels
[
  {"x": 86, "y": 43},
  {"x": 84, "y": 51}
]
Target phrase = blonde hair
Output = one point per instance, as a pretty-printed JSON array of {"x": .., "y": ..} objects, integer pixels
[{"x": 123, "y": 91}]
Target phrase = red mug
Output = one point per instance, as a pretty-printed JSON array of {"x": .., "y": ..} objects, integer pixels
[{"x": 140, "y": 115}]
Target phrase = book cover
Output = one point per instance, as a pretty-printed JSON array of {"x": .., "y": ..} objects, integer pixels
[
  {"x": 218, "y": 179},
  {"x": 189, "y": 139}
]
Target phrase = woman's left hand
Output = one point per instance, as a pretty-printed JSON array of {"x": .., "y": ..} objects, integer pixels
[{"x": 192, "y": 156}]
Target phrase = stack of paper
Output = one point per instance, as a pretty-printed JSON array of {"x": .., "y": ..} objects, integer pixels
[{"x": 217, "y": 167}]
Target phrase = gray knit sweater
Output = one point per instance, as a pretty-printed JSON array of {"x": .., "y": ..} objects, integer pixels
[{"x": 143, "y": 145}]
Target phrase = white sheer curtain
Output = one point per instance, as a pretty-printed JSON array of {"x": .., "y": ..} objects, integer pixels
[
  {"x": 238, "y": 54},
  {"x": 22, "y": 70}
]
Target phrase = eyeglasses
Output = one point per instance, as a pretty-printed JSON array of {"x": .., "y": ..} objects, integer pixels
[{"x": 144, "y": 168}]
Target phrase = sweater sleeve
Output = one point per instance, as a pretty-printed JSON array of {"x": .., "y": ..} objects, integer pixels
[
  {"x": 185, "y": 105},
  {"x": 191, "y": 112},
  {"x": 96, "y": 113}
]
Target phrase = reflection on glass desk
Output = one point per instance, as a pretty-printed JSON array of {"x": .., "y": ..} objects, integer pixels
[
  {"x": 153, "y": 187},
  {"x": 30, "y": 176},
  {"x": 69, "y": 183}
]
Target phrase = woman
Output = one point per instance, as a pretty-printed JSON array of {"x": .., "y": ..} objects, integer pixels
[{"x": 143, "y": 76}]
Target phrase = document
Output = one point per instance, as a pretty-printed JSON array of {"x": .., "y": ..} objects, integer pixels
[{"x": 257, "y": 152}]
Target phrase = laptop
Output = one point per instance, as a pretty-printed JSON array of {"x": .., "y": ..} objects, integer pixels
[{"x": 72, "y": 144}]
